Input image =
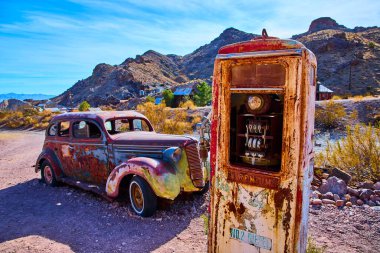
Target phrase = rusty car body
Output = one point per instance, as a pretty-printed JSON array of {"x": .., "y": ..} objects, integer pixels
[
  {"x": 113, "y": 152},
  {"x": 261, "y": 155}
]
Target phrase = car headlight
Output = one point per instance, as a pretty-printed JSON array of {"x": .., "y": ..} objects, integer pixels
[{"x": 173, "y": 154}]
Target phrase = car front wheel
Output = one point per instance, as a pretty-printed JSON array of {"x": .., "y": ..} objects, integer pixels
[
  {"x": 47, "y": 174},
  {"x": 142, "y": 197}
]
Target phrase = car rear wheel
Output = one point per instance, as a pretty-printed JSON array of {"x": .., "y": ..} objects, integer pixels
[
  {"x": 142, "y": 197},
  {"x": 47, "y": 174}
]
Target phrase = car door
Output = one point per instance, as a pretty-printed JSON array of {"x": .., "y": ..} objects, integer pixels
[
  {"x": 62, "y": 147},
  {"x": 90, "y": 154}
]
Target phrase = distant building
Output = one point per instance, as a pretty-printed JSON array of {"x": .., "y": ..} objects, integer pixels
[
  {"x": 323, "y": 93},
  {"x": 183, "y": 91},
  {"x": 158, "y": 101}
]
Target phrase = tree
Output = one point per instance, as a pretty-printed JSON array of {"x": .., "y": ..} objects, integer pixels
[
  {"x": 149, "y": 99},
  {"x": 168, "y": 97},
  {"x": 203, "y": 94},
  {"x": 84, "y": 106}
]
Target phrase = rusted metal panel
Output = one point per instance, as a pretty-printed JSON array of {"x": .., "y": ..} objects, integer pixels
[
  {"x": 169, "y": 163},
  {"x": 255, "y": 210}
]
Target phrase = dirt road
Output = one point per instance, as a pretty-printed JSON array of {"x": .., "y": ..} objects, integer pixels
[{"x": 37, "y": 218}]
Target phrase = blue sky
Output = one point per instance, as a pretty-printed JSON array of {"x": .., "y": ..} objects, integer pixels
[{"x": 46, "y": 46}]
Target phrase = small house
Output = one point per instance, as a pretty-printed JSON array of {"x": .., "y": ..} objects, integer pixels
[{"x": 323, "y": 93}]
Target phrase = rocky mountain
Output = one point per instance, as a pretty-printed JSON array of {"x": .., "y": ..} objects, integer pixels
[
  {"x": 346, "y": 58},
  {"x": 24, "y": 96}
]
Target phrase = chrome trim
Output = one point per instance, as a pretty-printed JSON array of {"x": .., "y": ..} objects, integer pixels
[
  {"x": 257, "y": 89},
  {"x": 286, "y": 52}
]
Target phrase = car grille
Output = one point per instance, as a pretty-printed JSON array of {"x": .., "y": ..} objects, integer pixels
[{"x": 195, "y": 166}]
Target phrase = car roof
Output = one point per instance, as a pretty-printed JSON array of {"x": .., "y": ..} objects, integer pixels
[{"x": 102, "y": 115}]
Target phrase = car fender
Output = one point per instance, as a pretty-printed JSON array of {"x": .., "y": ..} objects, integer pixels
[
  {"x": 160, "y": 175},
  {"x": 51, "y": 157}
]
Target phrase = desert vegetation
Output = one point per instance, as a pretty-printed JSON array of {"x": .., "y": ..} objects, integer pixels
[
  {"x": 167, "y": 120},
  {"x": 358, "y": 153},
  {"x": 29, "y": 118}
]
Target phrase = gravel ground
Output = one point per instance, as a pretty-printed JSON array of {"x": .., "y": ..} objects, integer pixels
[{"x": 37, "y": 218}]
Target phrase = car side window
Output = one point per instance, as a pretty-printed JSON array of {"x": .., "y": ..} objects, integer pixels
[
  {"x": 86, "y": 129},
  {"x": 53, "y": 130},
  {"x": 140, "y": 125},
  {"x": 63, "y": 127}
]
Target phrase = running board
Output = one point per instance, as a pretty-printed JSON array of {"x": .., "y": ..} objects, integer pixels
[{"x": 86, "y": 186}]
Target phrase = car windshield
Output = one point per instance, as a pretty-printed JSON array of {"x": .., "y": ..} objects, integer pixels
[{"x": 122, "y": 125}]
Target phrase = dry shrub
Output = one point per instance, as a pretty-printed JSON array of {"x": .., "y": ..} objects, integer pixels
[
  {"x": 187, "y": 105},
  {"x": 336, "y": 97},
  {"x": 26, "y": 117},
  {"x": 330, "y": 115},
  {"x": 357, "y": 154},
  {"x": 165, "y": 120}
]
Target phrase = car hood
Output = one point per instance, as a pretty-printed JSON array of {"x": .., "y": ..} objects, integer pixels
[{"x": 152, "y": 139}]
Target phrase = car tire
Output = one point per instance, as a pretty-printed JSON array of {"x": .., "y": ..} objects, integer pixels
[
  {"x": 48, "y": 175},
  {"x": 205, "y": 189},
  {"x": 142, "y": 198}
]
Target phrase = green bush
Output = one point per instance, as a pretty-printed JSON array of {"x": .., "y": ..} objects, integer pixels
[
  {"x": 84, "y": 106},
  {"x": 203, "y": 94}
]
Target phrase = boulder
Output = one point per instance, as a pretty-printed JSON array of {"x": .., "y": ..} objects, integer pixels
[
  {"x": 341, "y": 174},
  {"x": 377, "y": 192},
  {"x": 333, "y": 185},
  {"x": 377, "y": 186},
  {"x": 347, "y": 197},
  {"x": 366, "y": 185},
  {"x": 354, "y": 200},
  {"x": 328, "y": 201},
  {"x": 315, "y": 195},
  {"x": 336, "y": 197},
  {"x": 328, "y": 195},
  {"x": 316, "y": 202},
  {"x": 359, "y": 202},
  {"x": 339, "y": 203},
  {"x": 352, "y": 192},
  {"x": 365, "y": 194},
  {"x": 371, "y": 203},
  {"x": 349, "y": 204}
]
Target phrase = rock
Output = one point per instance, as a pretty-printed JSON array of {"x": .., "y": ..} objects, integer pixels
[
  {"x": 366, "y": 185},
  {"x": 315, "y": 195},
  {"x": 328, "y": 201},
  {"x": 352, "y": 192},
  {"x": 374, "y": 198},
  {"x": 325, "y": 175},
  {"x": 376, "y": 208},
  {"x": 349, "y": 204},
  {"x": 353, "y": 200},
  {"x": 366, "y": 194},
  {"x": 371, "y": 203},
  {"x": 316, "y": 202},
  {"x": 359, "y": 202},
  {"x": 336, "y": 197},
  {"x": 347, "y": 197},
  {"x": 328, "y": 195},
  {"x": 341, "y": 174},
  {"x": 339, "y": 203},
  {"x": 376, "y": 186},
  {"x": 377, "y": 192},
  {"x": 333, "y": 185}
]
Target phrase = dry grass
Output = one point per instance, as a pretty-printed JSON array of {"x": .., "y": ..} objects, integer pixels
[
  {"x": 357, "y": 154},
  {"x": 25, "y": 118},
  {"x": 330, "y": 116},
  {"x": 167, "y": 120}
]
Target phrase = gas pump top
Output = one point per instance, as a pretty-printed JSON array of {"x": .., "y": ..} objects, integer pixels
[{"x": 263, "y": 43}]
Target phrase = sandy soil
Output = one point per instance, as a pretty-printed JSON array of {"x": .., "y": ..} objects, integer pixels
[{"x": 37, "y": 218}]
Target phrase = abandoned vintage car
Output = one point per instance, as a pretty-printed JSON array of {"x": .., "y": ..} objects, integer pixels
[{"x": 115, "y": 152}]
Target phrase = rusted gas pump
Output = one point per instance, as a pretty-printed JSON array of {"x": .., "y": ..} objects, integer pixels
[{"x": 261, "y": 146}]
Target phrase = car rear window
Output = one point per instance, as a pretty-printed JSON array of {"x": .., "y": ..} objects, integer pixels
[
  {"x": 63, "y": 127},
  {"x": 86, "y": 129}
]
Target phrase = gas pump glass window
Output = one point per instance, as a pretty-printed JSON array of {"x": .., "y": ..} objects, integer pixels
[{"x": 256, "y": 130}]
